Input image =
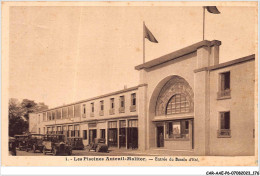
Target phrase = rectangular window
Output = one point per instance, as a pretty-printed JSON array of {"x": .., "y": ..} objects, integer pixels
[
  {"x": 224, "y": 125},
  {"x": 64, "y": 130},
  {"x": 44, "y": 116},
  {"x": 58, "y": 112},
  {"x": 103, "y": 133},
  {"x": 102, "y": 105},
  {"x": 133, "y": 102},
  {"x": 112, "y": 103},
  {"x": 112, "y": 124},
  {"x": 84, "y": 108},
  {"x": 177, "y": 130},
  {"x": 133, "y": 99},
  {"x": 44, "y": 130},
  {"x": 65, "y": 113},
  {"x": 53, "y": 115},
  {"x": 132, "y": 123},
  {"x": 71, "y": 131},
  {"x": 85, "y": 134},
  {"x": 121, "y": 104},
  {"x": 77, "y": 110},
  {"x": 70, "y": 112},
  {"x": 122, "y": 101},
  {"x": 224, "y": 90},
  {"x": 92, "y": 107},
  {"x": 77, "y": 130}
]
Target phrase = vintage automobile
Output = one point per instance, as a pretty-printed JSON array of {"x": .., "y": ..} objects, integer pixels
[
  {"x": 76, "y": 143},
  {"x": 34, "y": 142},
  {"x": 56, "y": 144},
  {"x": 99, "y": 145},
  {"x": 12, "y": 146},
  {"x": 21, "y": 141}
]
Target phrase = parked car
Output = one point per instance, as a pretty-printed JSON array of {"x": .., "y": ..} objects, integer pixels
[
  {"x": 21, "y": 141},
  {"x": 34, "y": 142},
  {"x": 12, "y": 146},
  {"x": 56, "y": 144},
  {"x": 76, "y": 142},
  {"x": 99, "y": 145}
]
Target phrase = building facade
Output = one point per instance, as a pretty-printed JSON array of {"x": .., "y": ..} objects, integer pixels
[{"x": 185, "y": 101}]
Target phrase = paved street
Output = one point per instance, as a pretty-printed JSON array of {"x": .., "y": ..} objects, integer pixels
[
  {"x": 83, "y": 153},
  {"x": 116, "y": 152}
]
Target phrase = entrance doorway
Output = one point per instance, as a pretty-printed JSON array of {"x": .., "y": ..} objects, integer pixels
[
  {"x": 92, "y": 135},
  {"x": 112, "y": 137},
  {"x": 160, "y": 136},
  {"x": 132, "y": 140}
]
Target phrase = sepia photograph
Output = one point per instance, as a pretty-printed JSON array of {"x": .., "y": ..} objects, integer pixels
[{"x": 138, "y": 83}]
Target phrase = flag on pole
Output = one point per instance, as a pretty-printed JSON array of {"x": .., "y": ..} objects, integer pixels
[
  {"x": 149, "y": 35},
  {"x": 212, "y": 9}
]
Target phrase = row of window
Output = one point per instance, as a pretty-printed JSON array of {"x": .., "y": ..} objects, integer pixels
[{"x": 75, "y": 111}]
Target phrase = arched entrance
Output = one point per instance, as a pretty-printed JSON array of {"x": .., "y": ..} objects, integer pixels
[{"x": 171, "y": 114}]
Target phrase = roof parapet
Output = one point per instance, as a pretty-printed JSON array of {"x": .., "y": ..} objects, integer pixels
[{"x": 176, "y": 54}]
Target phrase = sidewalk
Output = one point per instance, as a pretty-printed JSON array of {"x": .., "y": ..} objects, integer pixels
[{"x": 152, "y": 152}]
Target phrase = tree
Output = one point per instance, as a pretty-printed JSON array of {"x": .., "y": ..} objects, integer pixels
[{"x": 19, "y": 114}]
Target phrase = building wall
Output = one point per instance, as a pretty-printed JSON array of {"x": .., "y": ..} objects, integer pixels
[
  {"x": 241, "y": 107},
  {"x": 156, "y": 77}
]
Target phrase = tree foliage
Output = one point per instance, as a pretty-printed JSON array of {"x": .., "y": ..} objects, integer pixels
[{"x": 19, "y": 114}]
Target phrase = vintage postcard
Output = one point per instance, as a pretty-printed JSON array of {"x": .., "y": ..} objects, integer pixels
[{"x": 129, "y": 84}]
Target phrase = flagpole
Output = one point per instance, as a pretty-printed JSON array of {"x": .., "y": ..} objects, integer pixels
[
  {"x": 143, "y": 44},
  {"x": 203, "y": 22}
]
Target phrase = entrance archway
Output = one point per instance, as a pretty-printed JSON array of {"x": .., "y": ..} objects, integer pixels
[{"x": 171, "y": 106}]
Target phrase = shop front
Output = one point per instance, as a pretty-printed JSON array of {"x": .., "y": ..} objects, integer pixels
[
  {"x": 112, "y": 134},
  {"x": 175, "y": 134}
]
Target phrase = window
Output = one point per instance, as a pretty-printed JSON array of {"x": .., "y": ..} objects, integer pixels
[
  {"x": 112, "y": 103},
  {"x": 133, "y": 99},
  {"x": 92, "y": 110},
  {"x": 92, "y": 107},
  {"x": 77, "y": 110},
  {"x": 58, "y": 112},
  {"x": 177, "y": 130},
  {"x": 122, "y": 104},
  {"x": 44, "y": 116},
  {"x": 65, "y": 113},
  {"x": 101, "y": 112},
  {"x": 224, "y": 125},
  {"x": 112, "y": 106},
  {"x": 85, "y": 134},
  {"x": 65, "y": 130},
  {"x": 53, "y": 115},
  {"x": 71, "y": 131},
  {"x": 43, "y": 130},
  {"x": 70, "y": 112},
  {"x": 77, "y": 130},
  {"x": 103, "y": 133},
  {"x": 49, "y": 115},
  {"x": 224, "y": 85},
  {"x": 133, "y": 102},
  {"x": 102, "y": 105},
  {"x": 122, "y": 101},
  {"x": 178, "y": 104},
  {"x": 59, "y": 131},
  {"x": 84, "y": 108}
]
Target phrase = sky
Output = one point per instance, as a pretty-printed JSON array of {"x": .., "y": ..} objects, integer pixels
[{"x": 59, "y": 55}]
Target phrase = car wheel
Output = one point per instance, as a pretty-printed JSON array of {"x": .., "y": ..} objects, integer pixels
[
  {"x": 27, "y": 149},
  {"x": 44, "y": 150},
  {"x": 34, "y": 150},
  {"x": 70, "y": 152},
  {"x": 41, "y": 150},
  {"x": 54, "y": 152}
]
